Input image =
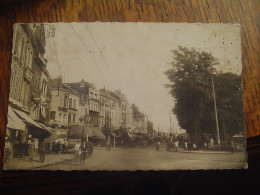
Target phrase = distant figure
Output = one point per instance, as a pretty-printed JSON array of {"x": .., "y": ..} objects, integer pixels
[
  {"x": 211, "y": 143},
  {"x": 36, "y": 146},
  {"x": 108, "y": 145},
  {"x": 189, "y": 145},
  {"x": 205, "y": 145},
  {"x": 176, "y": 144},
  {"x": 30, "y": 149},
  {"x": 59, "y": 147},
  {"x": 77, "y": 146},
  {"x": 90, "y": 148},
  {"x": 66, "y": 144},
  {"x": 186, "y": 145},
  {"x": 158, "y": 146},
  {"x": 42, "y": 151},
  {"x": 168, "y": 145},
  {"x": 83, "y": 152},
  {"x": 8, "y": 150}
]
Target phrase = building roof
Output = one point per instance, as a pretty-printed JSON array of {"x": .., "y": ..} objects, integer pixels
[{"x": 57, "y": 84}]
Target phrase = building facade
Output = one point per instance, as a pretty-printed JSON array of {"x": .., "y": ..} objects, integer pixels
[{"x": 28, "y": 84}]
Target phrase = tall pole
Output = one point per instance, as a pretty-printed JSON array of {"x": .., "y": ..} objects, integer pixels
[
  {"x": 114, "y": 138},
  {"x": 170, "y": 123},
  {"x": 87, "y": 126},
  {"x": 216, "y": 113}
]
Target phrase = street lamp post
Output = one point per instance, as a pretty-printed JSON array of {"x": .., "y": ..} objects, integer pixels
[
  {"x": 114, "y": 137},
  {"x": 216, "y": 113}
]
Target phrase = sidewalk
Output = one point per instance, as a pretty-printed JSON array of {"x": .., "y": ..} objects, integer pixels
[
  {"x": 206, "y": 151},
  {"x": 25, "y": 164}
]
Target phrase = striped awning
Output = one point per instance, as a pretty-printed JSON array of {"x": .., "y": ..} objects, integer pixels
[{"x": 14, "y": 122}]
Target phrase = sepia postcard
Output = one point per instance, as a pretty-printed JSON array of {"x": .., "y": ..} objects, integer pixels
[{"x": 125, "y": 96}]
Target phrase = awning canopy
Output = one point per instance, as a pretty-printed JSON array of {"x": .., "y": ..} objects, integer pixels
[
  {"x": 50, "y": 130},
  {"x": 27, "y": 118},
  {"x": 54, "y": 137},
  {"x": 137, "y": 136},
  {"x": 41, "y": 131},
  {"x": 79, "y": 131},
  {"x": 97, "y": 133},
  {"x": 14, "y": 122}
]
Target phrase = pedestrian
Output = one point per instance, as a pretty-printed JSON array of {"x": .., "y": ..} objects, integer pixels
[
  {"x": 63, "y": 147},
  {"x": 83, "y": 152},
  {"x": 176, "y": 146},
  {"x": 66, "y": 144},
  {"x": 42, "y": 151},
  {"x": 194, "y": 146},
  {"x": 205, "y": 145},
  {"x": 36, "y": 146},
  {"x": 168, "y": 145},
  {"x": 158, "y": 146},
  {"x": 171, "y": 145},
  {"x": 7, "y": 153},
  {"x": 30, "y": 149},
  {"x": 77, "y": 146},
  {"x": 108, "y": 145},
  {"x": 90, "y": 148},
  {"x": 186, "y": 145},
  {"x": 58, "y": 147}
]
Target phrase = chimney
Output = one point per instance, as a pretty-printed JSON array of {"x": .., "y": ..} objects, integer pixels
[{"x": 82, "y": 83}]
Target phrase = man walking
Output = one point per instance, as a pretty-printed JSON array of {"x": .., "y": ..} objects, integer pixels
[{"x": 42, "y": 151}]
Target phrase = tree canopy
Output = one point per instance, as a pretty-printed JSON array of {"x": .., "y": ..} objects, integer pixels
[{"x": 190, "y": 76}]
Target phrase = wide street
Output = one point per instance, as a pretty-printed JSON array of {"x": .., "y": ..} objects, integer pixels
[{"x": 146, "y": 158}]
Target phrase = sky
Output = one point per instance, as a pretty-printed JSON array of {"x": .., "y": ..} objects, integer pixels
[{"x": 133, "y": 57}]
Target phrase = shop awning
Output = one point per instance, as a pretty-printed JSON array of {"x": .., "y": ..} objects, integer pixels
[
  {"x": 97, "y": 133},
  {"x": 50, "y": 130},
  {"x": 137, "y": 136},
  {"x": 27, "y": 118},
  {"x": 79, "y": 131},
  {"x": 14, "y": 122},
  {"x": 53, "y": 137}
]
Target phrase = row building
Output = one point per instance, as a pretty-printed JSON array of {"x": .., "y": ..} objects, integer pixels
[{"x": 28, "y": 96}]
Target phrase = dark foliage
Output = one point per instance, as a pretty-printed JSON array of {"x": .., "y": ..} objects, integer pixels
[{"x": 191, "y": 75}]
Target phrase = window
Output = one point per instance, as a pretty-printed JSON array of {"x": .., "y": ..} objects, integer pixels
[
  {"x": 17, "y": 37},
  {"x": 74, "y": 118},
  {"x": 18, "y": 83},
  {"x": 124, "y": 116},
  {"x": 60, "y": 116},
  {"x": 44, "y": 85},
  {"x": 61, "y": 100},
  {"x": 52, "y": 115},
  {"x": 70, "y": 103},
  {"x": 74, "y": 104},
  {"x": 64, "y": 118},
  {"x": 22, "y": 50},
  {"x": 69, "y": 119},
  {"x": 30, "y": 58}
]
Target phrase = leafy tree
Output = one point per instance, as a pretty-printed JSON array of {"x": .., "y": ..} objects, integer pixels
[
  {"x": 191, "y": 76},
  {"x": 228, "y": 91}
]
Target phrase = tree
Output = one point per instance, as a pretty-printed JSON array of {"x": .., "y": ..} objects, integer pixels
[
  {"x": 230, "y": 104},
  {"x": 191, "y": 76}
]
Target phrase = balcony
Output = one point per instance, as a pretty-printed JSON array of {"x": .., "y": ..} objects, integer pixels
[
  {"x": 94, "y": 98},
  {"x": 62, "y": 108},
  {"x": 42, "y": 60},
  {"x": 28, "y": 75}
]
